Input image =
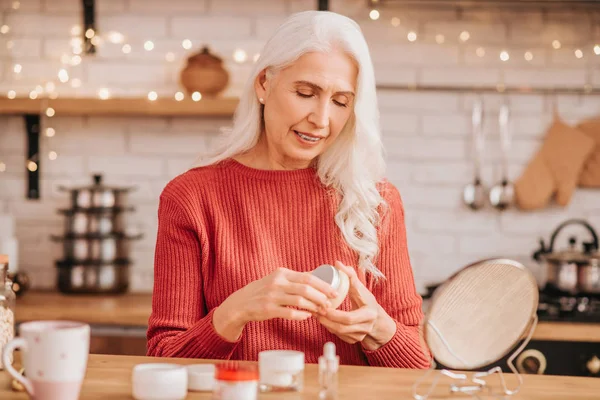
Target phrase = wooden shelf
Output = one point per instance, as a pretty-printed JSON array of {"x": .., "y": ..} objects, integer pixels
[{"x": 207, "y": 107}]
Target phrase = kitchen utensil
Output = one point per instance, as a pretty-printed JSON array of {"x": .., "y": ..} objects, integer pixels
[
  {"x": 94, "y": 222},
  {"x": 502, "y": 194},
  {"x": 98, "y": 195},
  {"x": 159, "y": 381},
  {"x": 474, "y": 194},
  {"x": 54, "y": 354},
  {"x": 477, "y": 317},
  {"x": 106, "y": 248},
  {"x": 93, "y": 277},
  {"x": 571, "y": 271}
]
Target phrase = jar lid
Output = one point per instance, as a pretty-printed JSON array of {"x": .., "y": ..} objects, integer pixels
[
  {"x": 234, "y": 371},
  {"x": 281, "y": 360},
  {"x": 329, "y": 274}
]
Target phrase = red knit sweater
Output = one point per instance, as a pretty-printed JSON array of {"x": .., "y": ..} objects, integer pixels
[{"x": 223, "y": 226}]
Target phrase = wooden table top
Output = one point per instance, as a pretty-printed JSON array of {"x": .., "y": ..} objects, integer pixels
[
  {"x": 109, "y": 377},
  {"x": 134, "y": 310}
]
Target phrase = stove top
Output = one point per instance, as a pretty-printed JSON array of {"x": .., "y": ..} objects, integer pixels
[{"x": 561, "y": 307}]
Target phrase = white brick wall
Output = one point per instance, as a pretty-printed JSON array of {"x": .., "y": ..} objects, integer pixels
[{"x": 427, "y": 135}]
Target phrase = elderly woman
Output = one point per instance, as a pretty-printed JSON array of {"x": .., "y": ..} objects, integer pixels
[{"x": 297, "y": 183}]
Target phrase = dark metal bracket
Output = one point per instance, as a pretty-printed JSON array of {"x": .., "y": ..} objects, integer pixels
[
  {"x": 89, "y": 22},
  {"x": 323, "y": 5},
  {"x": 32, "y": 126}
]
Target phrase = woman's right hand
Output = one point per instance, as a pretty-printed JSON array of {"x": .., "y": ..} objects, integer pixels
[{"x": 272, "y": 297}]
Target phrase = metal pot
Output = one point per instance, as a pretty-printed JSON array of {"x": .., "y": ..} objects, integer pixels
[
  {"x": 572, "y": 271},
  {"x": 105, "y": 248},
  {"x": 93, "y": 277},
  {"x": 100, "y": 222},
  {"x": 98, "y": 195}
]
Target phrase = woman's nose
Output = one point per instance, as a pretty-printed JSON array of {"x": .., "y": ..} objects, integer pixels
[{"x": 320, "y": 116}]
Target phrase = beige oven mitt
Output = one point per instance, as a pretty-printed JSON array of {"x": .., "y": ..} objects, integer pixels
[
  {"x": 590, "y": 175},
  {"x": 555, "y": 169}
]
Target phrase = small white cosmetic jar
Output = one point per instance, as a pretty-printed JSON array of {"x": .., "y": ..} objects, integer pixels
[
  {"x": 336, "y": 279},
  {"x": 159, "y": 381},
  {"x": 281, "y": 371},
  {"x": 201, "y": 377}
]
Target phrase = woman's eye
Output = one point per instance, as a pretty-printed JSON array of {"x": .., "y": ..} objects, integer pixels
[
  {"x": 340, "y": 104},
  {"x": 305, "y": 95}
]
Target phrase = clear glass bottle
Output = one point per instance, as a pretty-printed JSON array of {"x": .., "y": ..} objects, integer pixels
[
  {"x": 7, "y": 306},
  {"x": 329, "y": 364}
]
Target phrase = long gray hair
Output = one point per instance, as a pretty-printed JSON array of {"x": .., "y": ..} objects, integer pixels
[{"x": 354, "y": 163}]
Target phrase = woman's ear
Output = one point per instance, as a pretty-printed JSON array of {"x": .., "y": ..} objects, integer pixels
[{"x": 261, "y": 84}]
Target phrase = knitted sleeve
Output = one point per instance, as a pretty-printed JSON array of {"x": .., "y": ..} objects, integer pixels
[
  {"x": 180, "y": 325},
  {"x": 397, "y": 293}
]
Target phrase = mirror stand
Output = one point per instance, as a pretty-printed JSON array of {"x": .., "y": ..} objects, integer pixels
[{"x": 477, "y": 383}]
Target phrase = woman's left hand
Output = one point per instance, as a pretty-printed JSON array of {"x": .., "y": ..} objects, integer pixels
[{"x": 368, "y": 322}]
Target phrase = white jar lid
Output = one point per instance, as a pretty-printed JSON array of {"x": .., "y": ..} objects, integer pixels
[
  {"x": 201, "y": 377},
  {"x": 281, "y": 360},
  {"x": 329, "y": 274}
]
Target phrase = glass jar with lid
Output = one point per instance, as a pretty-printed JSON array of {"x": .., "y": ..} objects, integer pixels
[{"x": 7, "y": 306}]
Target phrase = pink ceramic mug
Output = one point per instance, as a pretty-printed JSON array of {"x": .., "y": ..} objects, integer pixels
[{"x": 54, "y": 355}]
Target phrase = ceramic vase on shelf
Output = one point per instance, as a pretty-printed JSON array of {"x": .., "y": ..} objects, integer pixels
[{"x": 204, "y": 73}]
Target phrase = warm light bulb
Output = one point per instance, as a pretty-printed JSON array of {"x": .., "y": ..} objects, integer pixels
[
  {"x": 76, "y": 30},
  {"x": 115, "y": 37},
  {"x": 597, "y": 49},
  {"x": 152, "y": 96},
  {"x": 4, "y": 29},
  {"x": 578, "y": 53},
  {"x": 374, "y": 15},
  {"x": 440, "y": 39},
  {"x": 170, "y": 56},
  {"x": 179, "y": 96},
  {"x": 412, "y": 36},
  {"x": 90, "y": 33},
  {"x": 504, "y": 56},
  {"x": 240, "y": 56},
  {"x": 395, "y": 22},
  {"x": 464, "y": 36},
  {"x": 186, "y": 44},
  {"x": 196, "y": 96},
  {"x": 96, "y": 41},
  {"x": 104, "y": 93},
  {"x": 126, "y": 49},
  {"x": 528, "y": 56},
  {"x": 76, "y": 60},
  {"x": 33, "y": 95},
  {"x": 63, "y": 75},
  {"x": 16, "y": 4},
  {"x": 50, "y": 86},
  {"x": 32, "y": 166},
  {"x": 77, "y": 50},
  {"x": 149, "y": 45},
  {"x": 75, "y": 82},
  {"x": 2, "y": 167},
  {"x": 556, "y": 44},
  {"x": 50, "y": 112},
  {"x": 52, "y": 155},
  {"x": 17, "y": 68},
  {"x": 39, "y": 89},
  {"x": 480, "y": 52},
  {"x": 50, "y": 132},
  {"x": 11, "y": 94}
]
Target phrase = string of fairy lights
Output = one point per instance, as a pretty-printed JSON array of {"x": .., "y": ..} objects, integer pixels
[
  {"x": 72, "y": 61},
  {"x": 465, "y": 36}
]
